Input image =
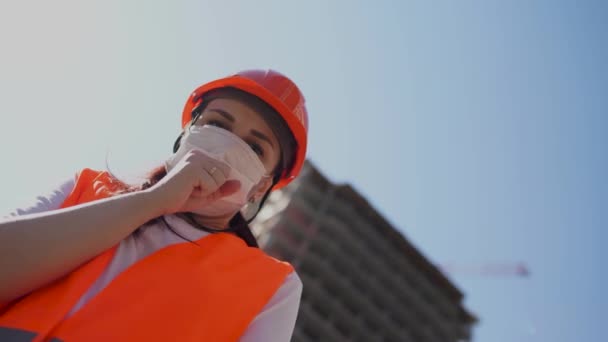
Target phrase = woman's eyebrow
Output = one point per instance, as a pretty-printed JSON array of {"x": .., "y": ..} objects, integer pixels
[{"x": 223, "y": 113}]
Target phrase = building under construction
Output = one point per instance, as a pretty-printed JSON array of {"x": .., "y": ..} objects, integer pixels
[{"x": 363, "y": 281}]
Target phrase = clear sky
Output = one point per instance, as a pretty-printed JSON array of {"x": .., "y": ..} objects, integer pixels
[{"x": 477, "y": 127}]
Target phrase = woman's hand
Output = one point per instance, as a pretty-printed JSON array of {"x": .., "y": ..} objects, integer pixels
[
  {"x": 37, "y": 249},
  {"x": 194, "y": 181}
]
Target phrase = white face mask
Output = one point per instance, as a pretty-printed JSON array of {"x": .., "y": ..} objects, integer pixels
[{"x": 220, "y": 144}]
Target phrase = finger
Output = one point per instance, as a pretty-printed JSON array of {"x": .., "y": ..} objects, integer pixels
[
  {"x": 217, "y": 169},
  {"x": 216, "y": 174},
  {"x": 227, "y": 189},
  {"x": 230, "y": 187},
  {"x": 206, "y": 184},
  {"x": 197, "y": 192},
  {"x": 208, "y": 162},
  {"x": 223, "y": 167}
]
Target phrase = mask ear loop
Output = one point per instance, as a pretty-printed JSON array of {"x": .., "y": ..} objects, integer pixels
[
  {"x": 263, "y": 200},
  {"x": 275, "y": 180},
  {"x": 196, "y": 114}
]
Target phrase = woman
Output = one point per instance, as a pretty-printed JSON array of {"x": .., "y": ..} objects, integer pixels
[{"x": 102, "y": 260}]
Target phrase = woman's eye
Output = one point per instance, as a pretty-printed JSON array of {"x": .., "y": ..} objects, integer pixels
[
  {"x": 216, "y": 124},
  {"x": 257, "y": 149}
]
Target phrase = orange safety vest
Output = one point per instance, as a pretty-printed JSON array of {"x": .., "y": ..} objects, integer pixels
[{"x": 182, "y": 292}]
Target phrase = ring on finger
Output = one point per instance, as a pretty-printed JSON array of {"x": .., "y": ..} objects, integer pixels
[{"x": 212, "y": 171}]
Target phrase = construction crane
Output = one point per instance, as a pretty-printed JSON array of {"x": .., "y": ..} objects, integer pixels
[{"x": 487, "y": 270}]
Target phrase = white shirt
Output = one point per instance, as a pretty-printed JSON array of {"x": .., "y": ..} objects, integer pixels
[{"x": 275, "y": 322}]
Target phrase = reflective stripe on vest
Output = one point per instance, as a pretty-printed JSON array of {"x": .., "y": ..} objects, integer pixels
[{"x": 181, "y": 292}]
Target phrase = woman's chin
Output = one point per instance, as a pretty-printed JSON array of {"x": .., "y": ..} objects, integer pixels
[{"x": 212, "y": 220}]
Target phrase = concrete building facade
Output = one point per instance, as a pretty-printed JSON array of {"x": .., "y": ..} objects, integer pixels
[{"x": 363, "y": 281}]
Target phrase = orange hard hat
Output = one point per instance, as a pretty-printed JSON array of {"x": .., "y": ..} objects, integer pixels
[{"x": 277, "y": 91}]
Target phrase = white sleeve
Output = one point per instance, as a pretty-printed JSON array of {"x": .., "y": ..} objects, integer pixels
[
  {"x": 47, "y": 202},
  {"x": 277, "y": 319}
]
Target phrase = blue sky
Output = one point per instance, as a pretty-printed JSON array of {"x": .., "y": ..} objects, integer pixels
[{"x": 477, "y": 127}]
